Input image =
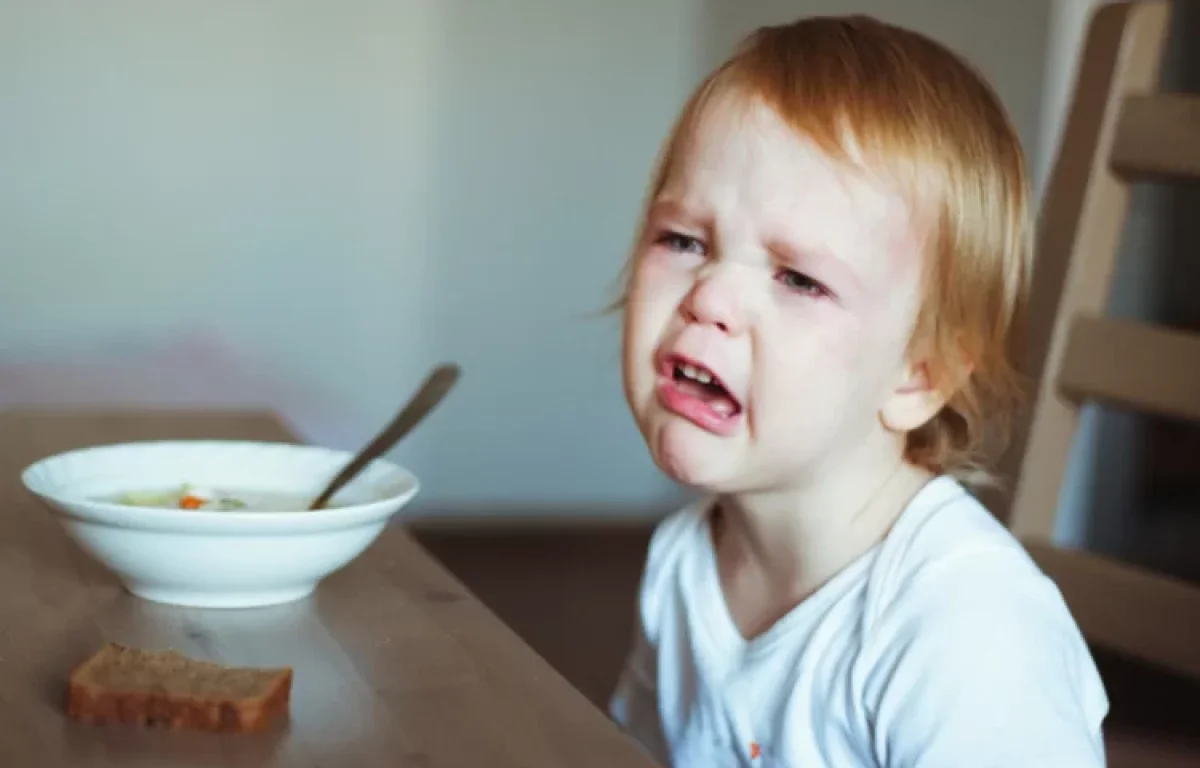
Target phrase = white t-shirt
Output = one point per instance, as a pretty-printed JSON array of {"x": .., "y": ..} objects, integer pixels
[{"x": 944, "y": 646}]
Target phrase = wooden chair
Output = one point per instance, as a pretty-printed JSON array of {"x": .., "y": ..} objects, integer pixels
[{"x": 1119, "y": 130}]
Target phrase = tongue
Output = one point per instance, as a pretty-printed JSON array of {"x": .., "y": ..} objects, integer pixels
[{"x": 714, "y": 398}]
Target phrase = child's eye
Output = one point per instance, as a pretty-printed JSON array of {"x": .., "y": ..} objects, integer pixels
[
  {"x": 680, "y": 243},
  {"x": 801, "y": 283}
]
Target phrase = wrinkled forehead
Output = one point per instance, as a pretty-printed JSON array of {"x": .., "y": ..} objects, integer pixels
[{"x": 736, "y": 154}]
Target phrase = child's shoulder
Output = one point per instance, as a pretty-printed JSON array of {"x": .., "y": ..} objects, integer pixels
[
  {"x": 677, "y": 545},
  {"x": 946, "y": 535},
  {"x": 951, "y": 579},
  {"x": 678, "y": 535},
  {"x": 961, "y": 631}
]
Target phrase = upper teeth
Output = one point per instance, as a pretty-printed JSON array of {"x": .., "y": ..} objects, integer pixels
[{"x": 699, "y": 374}]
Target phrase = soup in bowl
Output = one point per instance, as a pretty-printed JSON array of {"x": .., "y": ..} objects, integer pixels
[
  {"x": 203, "y": 499},
  {"x": 218, "y": 523}
]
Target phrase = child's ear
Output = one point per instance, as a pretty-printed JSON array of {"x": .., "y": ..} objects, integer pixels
[{"x": 914, "y": 401}]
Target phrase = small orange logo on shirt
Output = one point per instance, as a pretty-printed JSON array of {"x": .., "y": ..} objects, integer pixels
[{"x": 755, "y": 750}]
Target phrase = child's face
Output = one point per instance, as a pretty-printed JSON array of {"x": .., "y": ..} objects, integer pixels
[{"x": 788, "y": 278}]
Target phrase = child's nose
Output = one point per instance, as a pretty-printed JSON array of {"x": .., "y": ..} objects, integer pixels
[{"x": 715, "y": 300}]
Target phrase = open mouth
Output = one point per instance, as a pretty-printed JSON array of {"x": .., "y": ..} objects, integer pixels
[{"x": 695, "y": 381}]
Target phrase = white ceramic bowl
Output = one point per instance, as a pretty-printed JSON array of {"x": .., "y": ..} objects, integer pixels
[{"x": 218, "y": 559}]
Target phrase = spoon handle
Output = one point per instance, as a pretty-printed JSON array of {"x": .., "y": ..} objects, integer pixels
[{"x": 432, "y": 391}]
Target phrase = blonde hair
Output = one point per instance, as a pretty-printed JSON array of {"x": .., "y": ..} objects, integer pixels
[{"x": 890, "y": 100}]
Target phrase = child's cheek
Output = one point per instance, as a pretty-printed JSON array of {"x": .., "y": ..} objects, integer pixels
[
  {"x": 659, "y": 271},
  {"x": 828, "y": 329}
]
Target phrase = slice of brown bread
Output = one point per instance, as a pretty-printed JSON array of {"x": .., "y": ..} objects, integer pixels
[{"x": 119, "y": 684}]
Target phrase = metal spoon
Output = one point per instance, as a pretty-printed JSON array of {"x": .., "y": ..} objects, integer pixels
[{"x": 436, "y": 385}]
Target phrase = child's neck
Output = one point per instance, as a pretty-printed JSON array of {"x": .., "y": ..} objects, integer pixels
[{"x": 775, "y": 549}]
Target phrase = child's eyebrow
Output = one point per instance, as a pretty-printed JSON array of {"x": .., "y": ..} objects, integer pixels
[
  {"x": 668, "y": 208},
  {"x": 826, "y": 265}
]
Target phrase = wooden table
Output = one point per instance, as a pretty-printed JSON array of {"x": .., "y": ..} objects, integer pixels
[{"x": 396, "y": 664}]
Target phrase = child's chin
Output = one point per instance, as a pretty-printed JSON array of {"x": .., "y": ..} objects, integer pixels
[{"x": 684, "y": 459}]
